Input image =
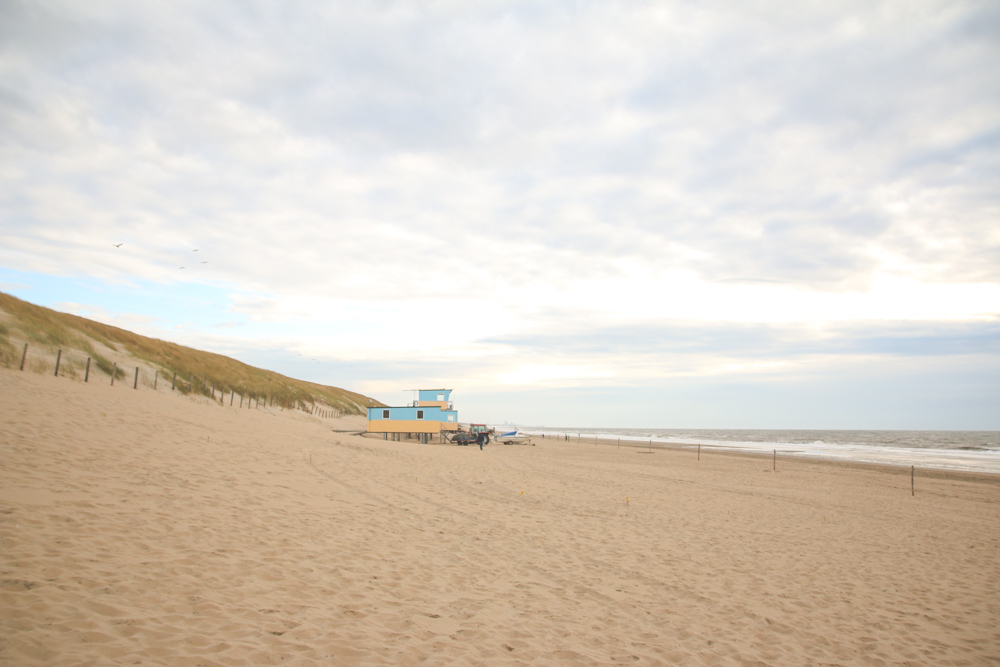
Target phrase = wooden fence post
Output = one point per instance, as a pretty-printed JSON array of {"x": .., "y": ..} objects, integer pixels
[
  {"x": 156, "y": 378},
  {"x": 58, "y": 359},
  {"x": 86, "y": 376},
  {"x": 114, "y": 369},
  {"x": 135, "y": 385},
  {"x": 173, "y": 383},
  {"x": 232, "y": 398},
  {"x": 24, "y": 355}
]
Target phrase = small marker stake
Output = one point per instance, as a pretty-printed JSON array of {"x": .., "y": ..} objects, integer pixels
[
  {"x": 86, "y": 376},
  {"x": 114, "y": 369},
  {"x": 58, "y": 359},
  {"x": 911, "y": 482},
  {"x": 774, "y": 461},
  {"x": 699, "y": 452},
  {"x": 24, "y": 355}
]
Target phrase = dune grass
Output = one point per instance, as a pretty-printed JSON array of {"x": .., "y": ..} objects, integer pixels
[{"x": 195, "y": 369}]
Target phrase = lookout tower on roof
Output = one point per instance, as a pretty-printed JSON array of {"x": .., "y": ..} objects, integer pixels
[{"x": 434, "y": 397}]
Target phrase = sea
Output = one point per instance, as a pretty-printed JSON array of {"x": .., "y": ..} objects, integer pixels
[{"x": 975, "y": 451}]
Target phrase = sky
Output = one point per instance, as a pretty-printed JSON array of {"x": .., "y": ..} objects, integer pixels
[{"x": 619, "y": 214}]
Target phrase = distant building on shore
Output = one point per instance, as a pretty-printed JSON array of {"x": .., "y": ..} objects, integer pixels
[{"x": 432, "y": 412}]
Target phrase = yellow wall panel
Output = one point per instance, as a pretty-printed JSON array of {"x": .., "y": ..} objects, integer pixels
[{"x": 400, "y": 426}]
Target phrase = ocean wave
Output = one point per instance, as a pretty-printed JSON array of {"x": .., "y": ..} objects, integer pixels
[{"x": 977, "y": 451}]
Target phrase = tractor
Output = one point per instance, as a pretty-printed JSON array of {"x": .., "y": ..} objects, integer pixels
[{"x": 475, "y": 432}]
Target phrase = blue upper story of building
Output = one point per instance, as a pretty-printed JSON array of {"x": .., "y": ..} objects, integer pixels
[{"x": 413, "y": 413}]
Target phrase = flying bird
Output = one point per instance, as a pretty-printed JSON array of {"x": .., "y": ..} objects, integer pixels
[
  {"x": 117, "y": 245},
  {"x": 195, "y": 250},
  {"x": 205, "y": 262},
  {"x": 180, "y": 267}
]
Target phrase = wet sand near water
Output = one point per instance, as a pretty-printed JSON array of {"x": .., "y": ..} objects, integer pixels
[{"x": 141, "y": 527}]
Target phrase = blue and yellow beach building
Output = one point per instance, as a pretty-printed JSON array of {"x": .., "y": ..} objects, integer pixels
[{"x": 431, "y": 412}]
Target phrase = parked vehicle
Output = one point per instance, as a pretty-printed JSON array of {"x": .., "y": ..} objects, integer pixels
[
  {"x": 475, "y": 433},
  {"x": 482, "y": 432}
]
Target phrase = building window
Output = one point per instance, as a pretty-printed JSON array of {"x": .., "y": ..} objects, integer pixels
[
  {"x": 440, "y": 397},
  {"x": 420, "y": 414},
  {"x": 385, "y": 414},
  {"x": 451, "y": 418}
]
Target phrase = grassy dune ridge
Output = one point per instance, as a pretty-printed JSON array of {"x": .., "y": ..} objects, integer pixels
[{"x": 42, "y": 328}]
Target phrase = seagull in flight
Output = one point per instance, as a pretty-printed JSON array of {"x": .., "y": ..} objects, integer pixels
[
  {"x": 180, "y": 267},
  {"x": 117, "y": 245},
  {"x": 195, "y": 250},
  {"x": 205, "y": 262}
]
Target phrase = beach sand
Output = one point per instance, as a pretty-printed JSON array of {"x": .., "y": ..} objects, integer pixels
[{"x": 141, "y": 527}]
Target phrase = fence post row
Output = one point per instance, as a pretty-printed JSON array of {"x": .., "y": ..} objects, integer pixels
[{"x": 253, "y": 401}]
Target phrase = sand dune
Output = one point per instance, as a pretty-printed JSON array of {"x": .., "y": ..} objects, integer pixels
[{"x": 145, "y": 528}]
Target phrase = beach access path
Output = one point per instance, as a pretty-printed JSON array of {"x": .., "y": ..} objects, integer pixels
[{"x": 149, "y": 528}]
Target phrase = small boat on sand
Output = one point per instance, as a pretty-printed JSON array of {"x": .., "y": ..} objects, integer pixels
[{"x": 513, "y": 438}]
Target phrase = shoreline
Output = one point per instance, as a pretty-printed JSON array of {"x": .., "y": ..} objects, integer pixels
[{"x": 892, "y": 457}]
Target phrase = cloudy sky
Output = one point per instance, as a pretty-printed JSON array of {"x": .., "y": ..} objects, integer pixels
[{"x": 664, "y": 214}]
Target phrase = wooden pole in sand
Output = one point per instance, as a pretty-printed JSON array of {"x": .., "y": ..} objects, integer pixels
[
  {"x": 774, "y": 461},
  {"x": 241, "y": 400},
  {"x": 24, "y": 355},
  {"x": 114, "y": 369},
  {"x": 135, "y": 385},
  {"x": 86, "y": 376},
  {"x": 232, "y": 398},
  {"x": 699, "y": 452},
  {"x": 912, "y": 492},
  {"x": 58, "y": 359},
  {"x": 173, "y": 385},
  {"x": 156, "y": 379}
]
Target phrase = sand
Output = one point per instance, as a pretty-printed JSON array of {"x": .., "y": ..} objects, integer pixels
[{"x": 146, "y": 528}]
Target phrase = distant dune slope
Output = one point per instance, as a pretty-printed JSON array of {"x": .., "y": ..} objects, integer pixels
[{"x": 114, "y": 350}]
